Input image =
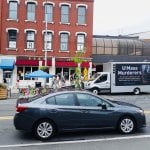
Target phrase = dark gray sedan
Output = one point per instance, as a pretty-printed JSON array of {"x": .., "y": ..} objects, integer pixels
[{"x": 76, "y": 110}]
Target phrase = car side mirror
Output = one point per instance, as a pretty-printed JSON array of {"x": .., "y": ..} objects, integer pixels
[{"x": 104, "y": 106}]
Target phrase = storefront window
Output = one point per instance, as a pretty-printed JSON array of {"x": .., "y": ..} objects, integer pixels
[
  {"x": 20, "y": 73},
  {"x": 7, "y": 76},
  {"x": 66, "y": 73}
]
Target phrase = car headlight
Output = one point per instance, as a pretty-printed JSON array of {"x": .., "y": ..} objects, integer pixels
[{"x": 141, "y": 111}]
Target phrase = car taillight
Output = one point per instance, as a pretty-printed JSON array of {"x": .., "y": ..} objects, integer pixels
[{"x": 20, "y": 108}]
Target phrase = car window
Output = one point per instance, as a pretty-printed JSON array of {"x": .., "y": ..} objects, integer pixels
[
  {"x": 102, "y": 78},
  {"x": 91, "y": 101},
  {"x": 51, "y": 101},
  {"x": 65, "y": 99},
  {"x": 88, "y": 100}
]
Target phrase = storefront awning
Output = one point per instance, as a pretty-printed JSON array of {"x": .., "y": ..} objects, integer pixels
[
  {"x": 71, "y": 64},
  {"x": 85, "y": 65},
  {"x": 66, "y": 64},
  {"x": 31, "y": 63},
  {"x": 7, "y": 63}
]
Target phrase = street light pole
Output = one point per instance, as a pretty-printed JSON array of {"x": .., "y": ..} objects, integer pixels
[{"x": 46, "y": 37}]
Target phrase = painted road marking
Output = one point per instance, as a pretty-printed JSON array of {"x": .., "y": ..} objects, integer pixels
[
  {"x": 75, "y": 142},
  {"x": 6, "y": 117},
  {"x": 147, "y": 112},
  {"x": 11, "y": 117}
]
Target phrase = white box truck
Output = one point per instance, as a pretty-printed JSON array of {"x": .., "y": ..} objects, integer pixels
[{"x": 121, "y": 77}]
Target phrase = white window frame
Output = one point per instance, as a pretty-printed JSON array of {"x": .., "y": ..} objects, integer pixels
[
  {"x": 66, "y": 43},
  {"x": 18, "y": 1},
  {"x": 46, "y": 41},
  {"x": 13, "y": 43},
  {"x": 35, "y": 32},
  {"x": 68, "y": 15},
  {"x": 48, "y": 3},
  {"x": 16, "y": 10},
  {"x": 29, "y": 2},
  {"x": 82, "y": 45},
  {"x": 86, "y": 7}
]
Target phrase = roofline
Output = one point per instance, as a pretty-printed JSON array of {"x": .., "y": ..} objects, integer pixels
[
  {"x": 115, "y": 37},
  {"x": 138, "y": 33}
]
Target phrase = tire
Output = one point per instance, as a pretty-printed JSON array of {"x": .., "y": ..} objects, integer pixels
[
  {"x": 126, "y": 125},
  {"x": 95, "y": 91},
  {"x": 136, "y": 91},
  {"x": 44, "y": 130}
]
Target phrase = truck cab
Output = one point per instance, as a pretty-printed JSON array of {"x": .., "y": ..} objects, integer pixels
[{"x": 98, "y": 84}]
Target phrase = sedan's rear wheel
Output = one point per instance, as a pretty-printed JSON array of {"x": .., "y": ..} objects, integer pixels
[
  {"x": 126, "y": 125},
  {"x": 44, "y": 130}
]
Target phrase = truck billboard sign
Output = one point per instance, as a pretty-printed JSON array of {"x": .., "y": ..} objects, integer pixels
[{"x": 132, "y": 74}]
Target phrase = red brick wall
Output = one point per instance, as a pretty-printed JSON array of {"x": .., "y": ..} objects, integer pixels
[{"x": 39, "y": 26}]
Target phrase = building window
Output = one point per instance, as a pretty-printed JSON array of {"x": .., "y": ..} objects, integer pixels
[
  {"x": 13, "y": 6},
  {"x": 30, "y": 39},
  {"x": 12, "y": 38},
  {"x": 64, "y": 37},
  {"x": 64, "y": 13},
  {"x": 48, "y": 40},
  {"x": 31, "y": 11},
  {"x": 81, "y": 15},
  {"x": 80, "y": 42},
  {"x": 48, "y": 12}
]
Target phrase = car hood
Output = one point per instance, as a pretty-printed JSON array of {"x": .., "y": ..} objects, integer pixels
[{"x": 124, "y": 104}]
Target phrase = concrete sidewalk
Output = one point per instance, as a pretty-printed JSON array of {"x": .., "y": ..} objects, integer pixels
[{"x": 14, "y": 96}]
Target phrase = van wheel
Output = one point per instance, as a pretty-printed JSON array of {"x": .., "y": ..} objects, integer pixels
[
  {"x": 136, "y": 91},
  {"x": 95, "y": 91}
]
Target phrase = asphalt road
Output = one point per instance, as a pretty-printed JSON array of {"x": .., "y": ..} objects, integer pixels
[{"x": 10, "y": 139}]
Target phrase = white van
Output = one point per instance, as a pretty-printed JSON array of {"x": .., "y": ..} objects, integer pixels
[{"x": 122, "y": 77}]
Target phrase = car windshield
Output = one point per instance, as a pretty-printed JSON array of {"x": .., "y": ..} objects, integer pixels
[{"x": 95, "y": 76}]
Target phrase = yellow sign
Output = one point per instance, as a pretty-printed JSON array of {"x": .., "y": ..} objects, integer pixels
[{"x": 85, "y": 73}]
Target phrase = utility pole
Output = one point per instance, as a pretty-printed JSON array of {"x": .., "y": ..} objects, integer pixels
[{"x": 46, "y": 36}]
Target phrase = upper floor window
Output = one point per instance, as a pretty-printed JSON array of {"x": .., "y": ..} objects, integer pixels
[
  {"x": 31, "y": 11},
  {"x": 64, "y": 37},
  {"x": 80, "y": 42},
  {"x": 30, "y": 39},
  {"x": 13, "y": 6},
  {"x": 12, "y": 38},
  {"x": 48, "y": 40},
  {"x": 64, "y": 13},
  {"x": 48, "y": 12},
  {"x": 81, "y": 15}
]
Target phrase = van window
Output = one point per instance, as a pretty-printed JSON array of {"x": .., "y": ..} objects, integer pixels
[{"x": 102, "y": 78}]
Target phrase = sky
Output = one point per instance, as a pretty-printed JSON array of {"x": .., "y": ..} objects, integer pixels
[{"x": 121, "y": 17}]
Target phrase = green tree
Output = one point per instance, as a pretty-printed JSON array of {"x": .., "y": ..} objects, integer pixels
[{"x": 78, "y": 58}]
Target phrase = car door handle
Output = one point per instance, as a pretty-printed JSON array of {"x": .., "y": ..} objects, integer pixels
[
  {"x": 53, "y": 111},
  {"x": 84, "y": 111}
]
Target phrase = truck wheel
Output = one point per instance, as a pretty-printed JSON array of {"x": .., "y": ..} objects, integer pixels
[
  {"x": 95, "y": 91},
  {"x": 136, "y": 91}
]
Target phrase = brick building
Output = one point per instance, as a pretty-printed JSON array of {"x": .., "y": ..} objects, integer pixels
[{"x": 45, "y": 32}]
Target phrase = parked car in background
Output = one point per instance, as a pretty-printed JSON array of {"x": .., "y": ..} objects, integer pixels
[{"x": 73, "y": 111}]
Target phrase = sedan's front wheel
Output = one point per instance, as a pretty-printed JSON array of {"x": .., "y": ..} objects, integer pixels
[
  {"x": 126, "y": 125},
  {"x": 44, "y": 129}
]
